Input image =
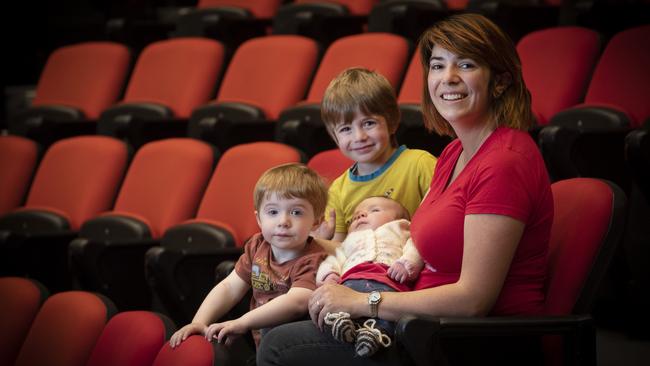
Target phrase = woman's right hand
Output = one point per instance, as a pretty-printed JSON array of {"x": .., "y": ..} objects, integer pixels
[
  {"x": 331, "y": 298},
  {"x": 186, "y": 331}
]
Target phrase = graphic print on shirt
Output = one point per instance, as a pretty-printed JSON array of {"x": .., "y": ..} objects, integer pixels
[
  {"x": 268, "y": 282},
  {"x": 260, "y": 280}
]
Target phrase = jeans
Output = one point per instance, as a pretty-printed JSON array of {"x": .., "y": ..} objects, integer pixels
[{"x": 302, "y": 343}]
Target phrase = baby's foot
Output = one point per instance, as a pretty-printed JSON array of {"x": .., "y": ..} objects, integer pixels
[
  {"x": 369, "y": 339},
  {"x": 343, "y": 328}
]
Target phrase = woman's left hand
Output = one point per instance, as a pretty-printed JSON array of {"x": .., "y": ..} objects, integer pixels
[{"x": 331, "y": 298}]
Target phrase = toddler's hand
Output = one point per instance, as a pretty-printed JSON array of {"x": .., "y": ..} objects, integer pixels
[
  {"x": 186, "y": 331},
  {"x": 226, "y": 332}
]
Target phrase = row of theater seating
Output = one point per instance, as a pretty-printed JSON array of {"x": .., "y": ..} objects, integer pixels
[
  {"x": 78, "y": 328},
  {"x": 326, "y": 20},
  {"x": 91, "y": 210},
  {"x": 267, "y": 93}
]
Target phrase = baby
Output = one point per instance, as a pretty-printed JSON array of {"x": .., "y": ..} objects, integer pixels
[{"x": 377, "y": 255}]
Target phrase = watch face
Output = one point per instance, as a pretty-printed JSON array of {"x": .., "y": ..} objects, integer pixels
[{"x": 374, "y": 296}]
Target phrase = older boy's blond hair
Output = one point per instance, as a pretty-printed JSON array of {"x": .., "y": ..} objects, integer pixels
[
  {"x": 293, "y": 180},
  {"x": 359, "y": 90}
]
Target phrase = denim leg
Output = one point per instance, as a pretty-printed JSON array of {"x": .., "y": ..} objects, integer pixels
[{"x": 302, "y": 343}]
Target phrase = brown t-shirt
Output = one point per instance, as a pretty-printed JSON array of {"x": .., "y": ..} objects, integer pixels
[{"x": 270, "y": 279}]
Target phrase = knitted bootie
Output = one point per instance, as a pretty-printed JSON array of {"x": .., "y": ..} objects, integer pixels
[
  {"x": 370, "y": 339},
  {"x": 343, "y": 328}
]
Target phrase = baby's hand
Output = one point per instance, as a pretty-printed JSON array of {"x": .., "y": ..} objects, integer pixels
[
  {"x": 399, "y": 272},
  {"x": 186, "y": 331},
  {"x": 331, "y": 278},
  {"x": 326, "y": 229}
]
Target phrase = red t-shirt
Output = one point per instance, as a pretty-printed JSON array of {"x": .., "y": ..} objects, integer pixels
[{"x": 506, "y": 176}]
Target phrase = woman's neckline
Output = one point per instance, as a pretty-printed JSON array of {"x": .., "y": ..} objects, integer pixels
[{"x": 466, "y": 160}]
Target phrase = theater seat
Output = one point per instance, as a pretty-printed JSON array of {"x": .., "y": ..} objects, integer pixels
[
  {"x": 265, "y": 76},
  {"x": 588, "y": 139},
  {"x": 587, "y": 226},
  {"x": 76, "y": 85},
  {"x": 20, "y": 300},
  {"x": 66, "y": 329},
  {"x": 170, "y": 78},
  {"x": 18, "y": 159},
  {"x": 301, "y": 125},
  {"x": 557, "y": 64},
  {"x": 70, "y": 186},
  {"x": 162, "y": 188},
  {"x": 330, "y": 164},
  {"x": 181, "y": 270},
  {"x": 131, "y": 338}
]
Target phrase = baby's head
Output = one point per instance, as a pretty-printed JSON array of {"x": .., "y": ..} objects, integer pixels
[{"x": 375, "y": 211}]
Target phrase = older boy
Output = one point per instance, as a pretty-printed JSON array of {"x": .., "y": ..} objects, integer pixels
[{"x": 361, "y": 114}]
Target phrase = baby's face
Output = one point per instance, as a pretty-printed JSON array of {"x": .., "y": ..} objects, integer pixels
[{"x": 373, "y": 212}]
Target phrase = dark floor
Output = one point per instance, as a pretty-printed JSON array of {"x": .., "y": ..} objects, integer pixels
[{"x": 618, "y": 349}]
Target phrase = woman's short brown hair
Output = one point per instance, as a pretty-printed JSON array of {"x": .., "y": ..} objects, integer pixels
[
  {"x": 292, "y": 180},
  {"x": 475, "y": 37},
  {"x": 359, "y": 90}
]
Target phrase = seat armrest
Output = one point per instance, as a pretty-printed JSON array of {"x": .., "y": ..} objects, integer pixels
[
  {"x": 230, "y": 25},
  {"x": 115, "y": 269},
  {"x": 303, "y": 128},
  {"x": 36, "y": 116},
  {"x": 637, "y": 153},
  {"x": 322, "y": 21},
  {"x": 573, "y": 151},
  {"x": 592, "y": 118},
  {"x": 115, "y": 229},
  {"x": 420, "y": 337},
  {"x": 33, "y": 222},
  {"x": 139, "y": 123},
  {"x": 198, "y": 237},
  {"x": 50, "y": 123},
  {"x": 180, "y": 272},
  {"x": 227, "y": 124}
]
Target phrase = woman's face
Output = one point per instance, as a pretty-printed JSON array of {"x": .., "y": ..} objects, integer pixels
[{"x": 459, "y": 88}]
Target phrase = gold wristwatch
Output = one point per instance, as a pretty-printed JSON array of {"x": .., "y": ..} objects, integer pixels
[{"x": 374, "y": 298}]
